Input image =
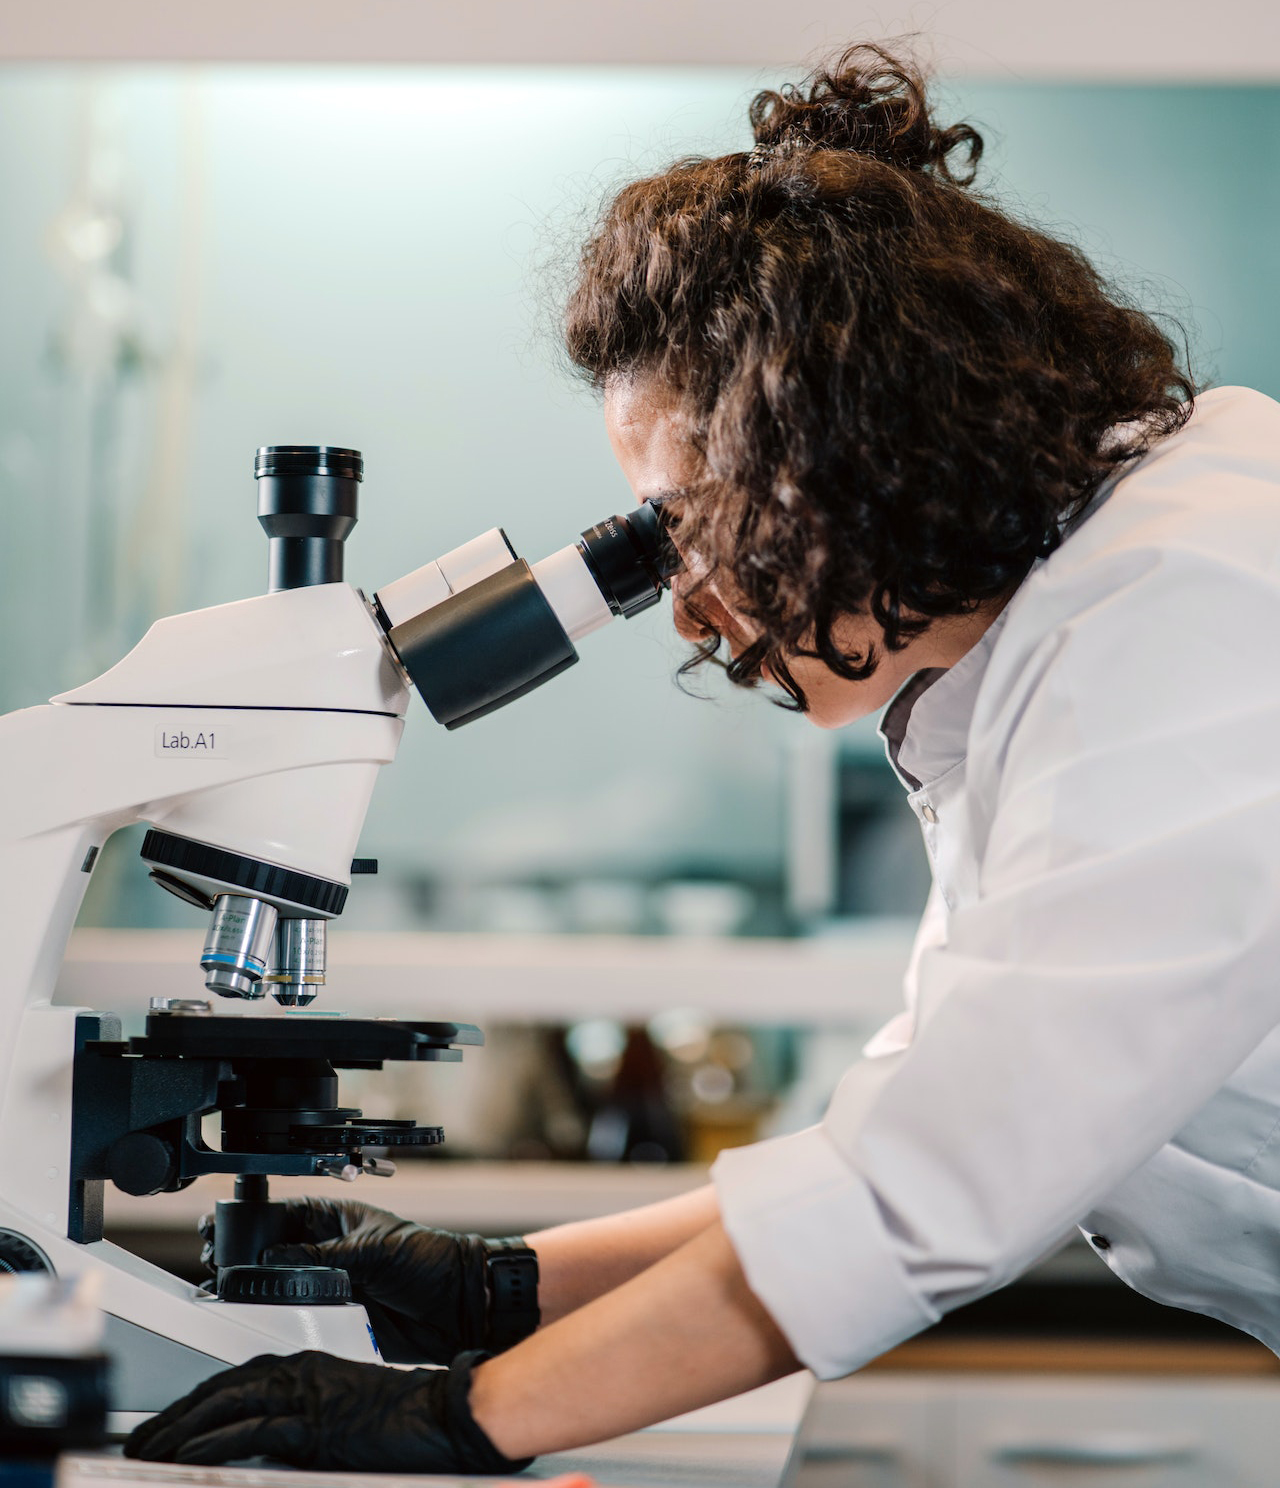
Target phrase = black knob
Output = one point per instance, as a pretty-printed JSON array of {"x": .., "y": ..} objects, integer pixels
[
  {"x": 307, "y": 506},
  {"x": 140, "y": 1163},
  {"x": 17, "y": 1253},
  {"x": 291, "y": 1286}
]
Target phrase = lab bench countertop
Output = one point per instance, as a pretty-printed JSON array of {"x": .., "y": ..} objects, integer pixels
[{"x": 742, "y": 1443}]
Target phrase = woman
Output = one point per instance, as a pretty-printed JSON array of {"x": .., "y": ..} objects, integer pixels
[{"x": 910, "y": 449}]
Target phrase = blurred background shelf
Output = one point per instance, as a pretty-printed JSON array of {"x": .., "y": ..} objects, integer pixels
[{"x": 853, "y": 978}]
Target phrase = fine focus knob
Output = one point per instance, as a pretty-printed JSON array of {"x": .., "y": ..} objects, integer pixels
[{"x": 292, "y": 1286}]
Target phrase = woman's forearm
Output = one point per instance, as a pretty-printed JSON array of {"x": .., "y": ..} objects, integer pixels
[
  {"x": 684, "y": 1333},
  {"x": 579, "y": 1262}
]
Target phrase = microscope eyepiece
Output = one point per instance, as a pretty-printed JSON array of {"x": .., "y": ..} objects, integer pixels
[
  {"x": 631, "y": 558},
  {"x": 508, "y": 627},
  {"x": 308, "y": 459},
  {"x": 307, "y": 507}
]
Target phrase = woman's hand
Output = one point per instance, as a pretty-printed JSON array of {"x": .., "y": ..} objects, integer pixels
[
  {"x": 424, "y": 1289},
  {"x": 684, "y": 1333},
  {"x": 313, "y": 1410}
]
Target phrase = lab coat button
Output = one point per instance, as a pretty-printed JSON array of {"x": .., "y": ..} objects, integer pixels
[
  {"x": 1100, "y": 1242},
  {"x": 929, "y": 814}
]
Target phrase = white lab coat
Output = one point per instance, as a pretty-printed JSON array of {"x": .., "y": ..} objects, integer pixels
[{"x": 1091, "y": 1033}]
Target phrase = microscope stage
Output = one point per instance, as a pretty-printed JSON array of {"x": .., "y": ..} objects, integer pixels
[{"x": 347, "y": 1043}]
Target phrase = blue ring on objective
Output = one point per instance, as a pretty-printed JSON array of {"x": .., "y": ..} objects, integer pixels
[{"x": 237, "y": 961}]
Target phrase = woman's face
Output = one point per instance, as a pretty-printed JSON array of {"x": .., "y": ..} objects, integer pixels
[{"x": 657, "y": 460}]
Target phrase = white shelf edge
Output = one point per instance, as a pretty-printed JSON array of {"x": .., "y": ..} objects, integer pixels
[{"x": 854, "y": 978}]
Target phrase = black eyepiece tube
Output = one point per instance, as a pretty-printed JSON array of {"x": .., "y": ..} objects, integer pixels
[
  {"x": 484, "y": 646},
  {"x": 307, "y": 507},
  {"x": 631, "y": 558},
  {"x": 499, "y": 637}
]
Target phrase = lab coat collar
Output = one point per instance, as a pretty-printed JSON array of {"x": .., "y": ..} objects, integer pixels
[{"x": 925, "y": 728}]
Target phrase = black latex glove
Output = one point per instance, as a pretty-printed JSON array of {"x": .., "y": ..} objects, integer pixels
[
  {"x": 424, "y": 1289},
  {"x": 312, "y": 1410}
]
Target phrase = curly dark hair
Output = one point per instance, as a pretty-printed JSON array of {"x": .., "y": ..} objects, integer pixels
[{"x": 897, "y": 393}]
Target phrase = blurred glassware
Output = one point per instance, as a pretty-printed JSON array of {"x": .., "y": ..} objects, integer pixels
[
  {"x": 604, "y": 906},
  {"x": 633, "y": 1119},
  {"x": 513, "y": 909},
  {"x": 54, "y": 1370},
  {"x": 701, "y": 907},
  {"x": 515, "y": 1098},
  {"x": 712, "y": 1084},
  {"x": 683, "y": 1033},
  {"x": 596, "y": 1046}
]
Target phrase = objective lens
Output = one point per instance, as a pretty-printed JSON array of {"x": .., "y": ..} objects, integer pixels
[
  {"x": 237, "y": 945},
  {"x": 296, "y": 970},
  {"x": 631, "y": 558}
]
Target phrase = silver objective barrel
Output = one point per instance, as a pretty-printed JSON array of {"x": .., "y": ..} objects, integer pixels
[
  {"x": 237, "y": 945},
  {"x": 295, "y": 970}
]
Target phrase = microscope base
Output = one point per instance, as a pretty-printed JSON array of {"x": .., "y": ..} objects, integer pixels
[{"x": 164, "y": 1336}]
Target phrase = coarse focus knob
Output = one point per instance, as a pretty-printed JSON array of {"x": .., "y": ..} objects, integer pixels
[
  {"x": 292, "y": 1286},
  {"x": 141, "y": 1163}
]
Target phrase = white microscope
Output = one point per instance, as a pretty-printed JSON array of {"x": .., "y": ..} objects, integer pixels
[{"x": 249, "y": 737}]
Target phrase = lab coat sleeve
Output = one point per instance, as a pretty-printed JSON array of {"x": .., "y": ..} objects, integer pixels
[{"x": 1121, "y": 958}]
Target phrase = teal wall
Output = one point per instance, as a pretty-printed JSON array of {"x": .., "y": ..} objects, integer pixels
[
  {"x": 1174, "y": 191},
  {"x": 369, "y": 258}
]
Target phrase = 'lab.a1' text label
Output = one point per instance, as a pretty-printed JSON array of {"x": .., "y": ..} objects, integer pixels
[{"x": 191, "y": 740}]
